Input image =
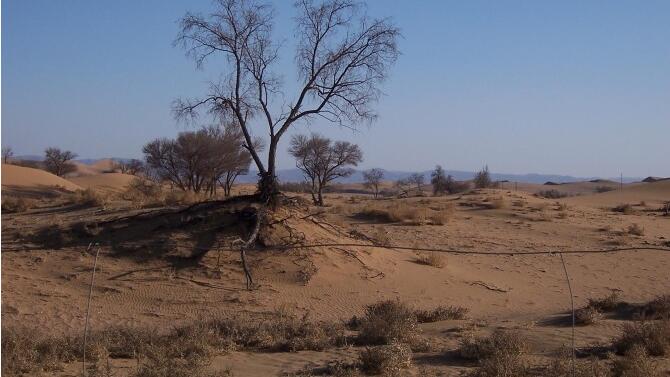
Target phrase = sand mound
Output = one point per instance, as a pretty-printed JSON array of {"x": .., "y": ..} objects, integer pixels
[
  {"x": 112, "y": 182},
  {"x": 34, "y": 181},
  {"x": 651, "y": 193}
]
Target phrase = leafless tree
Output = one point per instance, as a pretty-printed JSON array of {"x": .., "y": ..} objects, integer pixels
[
  {"x": 239, "y": 161},
  {"x": 323, "y": 161},
  {"x": 416, "y": 179},
  {"x": 483, "y": 178},
  {"x": 132, "y": 167},
  {"x": 198, "y": 160},
  {"x": 403, "y": 186},
  {"x": 58, "y": 162},
  {"x": 439, "y": 180},
  {"x": 373, "y": 178},
  {"x": 342, "y": 57},
  {"x": 7, "y": 153}
]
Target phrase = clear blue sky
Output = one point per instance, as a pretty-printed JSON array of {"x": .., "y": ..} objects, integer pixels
[{"x": 567, "y": 87}]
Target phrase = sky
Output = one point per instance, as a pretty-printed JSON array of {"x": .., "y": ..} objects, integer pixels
[{"x": 579, "y": 88}]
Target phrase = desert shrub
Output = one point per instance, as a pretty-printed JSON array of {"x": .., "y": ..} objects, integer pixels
[
  {"x": 440, "y": 313},
  {"x": 654, "y": 336},
  {"x": 381, "y": 237},
  {"x": 482, "y": 178},
  {"x": 27, "y": 351},
  {"x": 658, "y": 308},
  {"x": 499, "y": 355},
  {"x": 386, "y": 360},
  {"x": 625, "y": 208},
  {"x": 606, "y": 304},
  {"x": 561, "y": 206},
  {"x": 16, "y": 205},
  {"x": 635, "y": 363},
  {"x": 298, "y": 187},
  {"x": 551, "y": 194},
  {"x": 561, "y": 366},
  {"x": 601, "y": 189},
  {"x": 587, "y": 316},
  {"x": 635, "y": 230},
  {"x": 144, "y": 193},
  {"x": 402, "y": 212},
  {"x": 433, "y": 258},
  {"x": 497, "y": 203},
  {"x": 439, "y": 217},
  {"x": 89, "y": 198},
  {"x": 187, "y": 357},
  {"x": 510, "y": 342},
  {"x": 386, "y": 322}
]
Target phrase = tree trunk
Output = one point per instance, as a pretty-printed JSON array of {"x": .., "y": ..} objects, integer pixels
[
  {"x": 267, "y": 184},
  {"x": 320, "y": 197}
]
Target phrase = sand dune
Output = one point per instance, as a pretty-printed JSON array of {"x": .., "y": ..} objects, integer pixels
[
  {"x": 108, "y": 182},
  {"x": 21, "y": 177},
  {"x": 651, "y": 193}
]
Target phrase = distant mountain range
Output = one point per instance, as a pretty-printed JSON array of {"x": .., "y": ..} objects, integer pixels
[{"x": 295, "y": 175}]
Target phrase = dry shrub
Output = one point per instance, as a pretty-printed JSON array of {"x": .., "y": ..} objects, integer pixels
[
  {"x": 658, "y": 308},
  {"x": 551, "y": 194},
  {"x": 625, "y": 208},
  {"x": 144, "y": 193},
  {"x": 606, "y": 304},
  {"x": 440, "y": 217},
  {"x": 381, "y": 236},
  {"x": 587, "y": 316},
  {"x": 178, "y": 197},
  {"x": 497, "y": 203},
  {"x": 511, "y": 342},
  {"x": 562, "y": 215},
  {"x": 654, "y": 336},
  {"x": 27, "y": 351},
  {"x": 636, "y": 363},
  {"x": 561, "y": 366},
  {"x": 402, "y": 212},
  {"x": 89, "y": 198},
  {"x": 386, "y": 360},
  {"x": 387, "y": 322},
  {"x": 441, "y": 313},
  {"x": 16, "y": 205},
  {"x": 434, "y": 259},
  {"x": 635, "y": 230},
  {"x": 499, "y": 355}
]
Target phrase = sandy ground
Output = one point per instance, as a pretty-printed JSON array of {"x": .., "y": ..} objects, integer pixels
[{"x": 47, "y": 287}]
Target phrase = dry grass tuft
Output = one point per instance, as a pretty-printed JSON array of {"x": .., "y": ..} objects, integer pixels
[
  {"x": 653, "y": 336},
  {"x": 441, "y": 313},
  {"x": 440, "y": 217},
  {"x": 635, "y": 230},
  {"x": 434, "y": 259},
  {"x": 143, "y": 193},
  {"x": 658, "y": 308},
  {"x": 387, "y": 322},
  {"x": 386, "y": 360},
  {"x": 381, "y": 236},
  {"x": 17, "y": 205},
  {"x": 625, "y": 208},
  {"x": 89, "y": 198},
  {"x": 561, "y": 366},
  {"x": 587, "y": 316},
  {"x": 606, "y": 304},
  {"x": 499, "y": 355},
  {"x": 26, "y": 351},
  {"x": 496, "y": 203},
  {"x": 636, "y": 363}
]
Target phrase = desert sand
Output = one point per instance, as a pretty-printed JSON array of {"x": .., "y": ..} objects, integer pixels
[{"x": 152, "y": 276}]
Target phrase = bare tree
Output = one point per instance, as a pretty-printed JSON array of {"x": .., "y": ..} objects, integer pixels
[
  {"x": 199, "y": 160},
  {"x": 483, "y": 178},
  {"x": 58, "y": 162},
  {"x": 132, "y": 167},
  {"x": 373, "y": 178},
  {"x": 7, "y": 153},
  {"x": 439, "y": 180},
  {"x": 342, "y": 57},
  {"x": 323, "y": 161},
  {"x": 403, "y": 186},
  {"x": 418, "y": 180}
]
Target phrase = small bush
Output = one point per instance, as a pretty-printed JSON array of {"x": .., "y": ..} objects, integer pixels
[
  {"x": 381, "y": 236},
  {"x": 17, "y": 205},
  {"x": 441, "y": 313},
  {"x": 626, "y": 209},
  {"x": 658, "y": 308},
  {"x": 551, "y": 194},
  {"x": 401, "y": 212},
  {"x": 654, "y": 336},
  {"x": 635, "y": 230},
  {"x": 89, "y": 198},
  {"x": 587, "y": 316},
  {"x": 433, "y": 259},
  {"x": 510, "y": 342},
  {"x": 561, "y": 366},
  {"x": 636, "y": 363},
  {"x": 601, "y": 189},
  {"x": 144, "y": 193},
  {"x": 497, "y": 203},
  {"x": 606, "y": 304},
  {"x": 386, "y": 360},
  {"x": 387, "y": 322},
  {"x": 27, "y": 351},
  {"x": 439, "y": 217}
]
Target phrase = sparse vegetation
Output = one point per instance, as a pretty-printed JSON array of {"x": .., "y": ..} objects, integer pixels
[
  {"x": 606, "y": 304},
  {"x": 601, "y": 189},
  {"x": 625, "y": 208},
  {"x": 587, "y": 316},
  {"x": 658, "y": 308},
  {"x": 441, "y": 313},
  {"x": 499, "y": 355},
  {"x": 654, "y": 336},
  {"x": 482, "y": 178},
  {"x": 432, "y": 258},
  {"x": 58, "y": 162},
  {"x": 388, "y": 322},
  {"x": 372, "y": 179},
  {"x": 636, "y": 363},
  {"x": 17, "y": 204},
  {"x": 89, "y": 198},
  {"x": 551, "y": 194},
  {"x": 386, "y": 360}
]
